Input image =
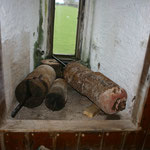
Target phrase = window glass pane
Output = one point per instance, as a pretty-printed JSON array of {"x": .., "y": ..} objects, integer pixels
[{"x": 66, "y": 13}]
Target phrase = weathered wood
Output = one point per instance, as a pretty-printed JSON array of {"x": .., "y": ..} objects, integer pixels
[
  {"x": 91, "y": 110},
  {"x": 106, "y": 94},
  {"x": 57, "y": 95},
  {"x": 144, "y": 87},
  {"x": 50, "y": 27},
  {"x": 80, "y": 26},
  {"x": 90, "y": 141},
  {"x": 145, "y": 122},
  {"x": 112, "y": 140},
  {"x": 66, "y": 141},
  {"x": 14, "y": 141},
  {"x": 55, "y": 65},
  {"x": 146, "y": 145},
  {"x": 41, "y": 138},
  {"x": 134, "y": 140},
  {"x": 32, "y": 90}
]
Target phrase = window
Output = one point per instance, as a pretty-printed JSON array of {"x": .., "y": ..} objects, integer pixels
[{"x": 64, "y": 28}]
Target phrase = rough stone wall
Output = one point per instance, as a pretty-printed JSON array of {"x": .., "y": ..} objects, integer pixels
[{"x": 23, "y": 30}]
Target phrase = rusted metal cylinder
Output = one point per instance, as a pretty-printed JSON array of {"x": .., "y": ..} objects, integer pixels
[
  {"x": 57, "y": 95},
  {"x": 33, "y": 89},
  {"x": 106, "y": 94},
  {"x": 55, "y": 65}
]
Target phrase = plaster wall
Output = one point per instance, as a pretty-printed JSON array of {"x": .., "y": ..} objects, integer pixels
[
  {"x": 119, "y": 36},
  {"x": 87, "y": 31},
  {"x": 19, "y": 32}
]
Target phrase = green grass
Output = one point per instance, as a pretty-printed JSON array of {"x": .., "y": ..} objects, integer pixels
[{"x": 65, "y": 29}]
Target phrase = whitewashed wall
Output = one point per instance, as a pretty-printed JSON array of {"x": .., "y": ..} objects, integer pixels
[
  {"x": 19, "y": 27},
  {"x": 120, "y": 31}
]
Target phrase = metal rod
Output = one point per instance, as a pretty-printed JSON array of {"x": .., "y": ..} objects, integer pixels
[
  {"x": 61, "y": 62},
  {"x": 16, "y": 110}
]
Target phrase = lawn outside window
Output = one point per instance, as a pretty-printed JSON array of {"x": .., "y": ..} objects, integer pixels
[{"x": 65, "y": 23}]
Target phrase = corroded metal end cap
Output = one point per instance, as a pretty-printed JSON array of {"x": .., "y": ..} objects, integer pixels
[{"x": 113, "y": 100}]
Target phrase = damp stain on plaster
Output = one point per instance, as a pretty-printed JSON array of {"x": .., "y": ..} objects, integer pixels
[
  {"x": 38, "y": 44},
  {"x": 98, "y": 66},
  {"x": 86, "y": 63},
  {"x": 116, "y": 42},
  {"x": 85, "y": 59},
  {"x": 143, "y": 44},
  {"x": 94, "y": 46},
  {"x": 134, "y": 98},
  {"x": 33, "y": 34}
]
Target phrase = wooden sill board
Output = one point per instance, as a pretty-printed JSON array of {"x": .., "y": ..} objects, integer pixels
[{"x": 66, "y": 126}]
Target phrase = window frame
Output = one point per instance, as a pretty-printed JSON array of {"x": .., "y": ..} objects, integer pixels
[{"x": 79, "y": 33}]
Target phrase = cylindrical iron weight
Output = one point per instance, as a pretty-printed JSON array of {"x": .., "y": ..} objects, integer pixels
[
  {"x": 33, "y": 89},
  {"x": 57, "y": 95},
  {"x": 106, "y": 94}
]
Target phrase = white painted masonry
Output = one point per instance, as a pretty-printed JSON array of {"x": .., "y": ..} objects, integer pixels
[{"x": 119, "y": 39}]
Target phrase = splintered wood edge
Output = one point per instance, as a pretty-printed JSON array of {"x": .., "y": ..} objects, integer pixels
[
  {"x": 91, "y": 111},
  {"x": 67, "y": 126}
]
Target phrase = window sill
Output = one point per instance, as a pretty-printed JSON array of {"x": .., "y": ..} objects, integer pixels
[{"x": 67, "y": 126}]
